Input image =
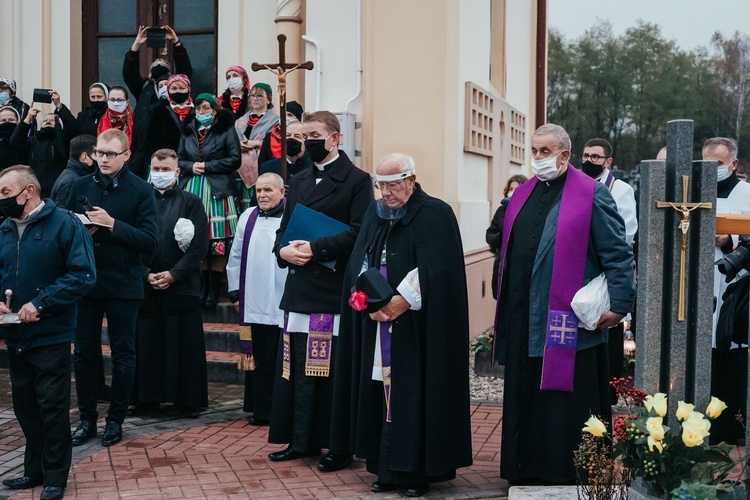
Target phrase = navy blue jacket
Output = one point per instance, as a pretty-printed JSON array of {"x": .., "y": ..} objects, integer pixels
[
  {"x": 52, "y": 266},
  {"x": 119, "y": 252}
]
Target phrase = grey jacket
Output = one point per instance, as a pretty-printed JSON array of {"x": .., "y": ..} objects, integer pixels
[{"x": 608, "y": 252}]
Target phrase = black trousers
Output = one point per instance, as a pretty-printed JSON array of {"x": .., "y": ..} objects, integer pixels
[
  {"x": 122, "y": 315},
  {"x": 259, "y": 382},
  {"x": 616, "y": 354},
  {"x": 40, "y": 381}
]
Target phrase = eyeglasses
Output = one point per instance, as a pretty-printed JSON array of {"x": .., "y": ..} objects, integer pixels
[
  {"x": 595, "y": 157},
  {"x": 389, "y": 186},
  {"x": 116, "y": 99},
  {"x": 109, "y": 154},
  {"x": 256, "y": 96}
]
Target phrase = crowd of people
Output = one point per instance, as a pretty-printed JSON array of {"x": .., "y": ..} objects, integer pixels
[{"x": 353, "y": 311}]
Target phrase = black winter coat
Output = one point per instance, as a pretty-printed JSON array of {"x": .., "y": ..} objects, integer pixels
[
  {"x": 61, "y": 190},
  {"x": 87, "y": 121},
  {"x": 11, "y": 154},
  {"x": 52, "y": 267},
  {"x": 119, "y": 251},
  {"x": 47, "y": 155},
  {"x": 220, "y": 152},
  {"x": 344, "y": 193},
  {"x": 165, "y": 129},
  {"x": 144, "y": 91}
]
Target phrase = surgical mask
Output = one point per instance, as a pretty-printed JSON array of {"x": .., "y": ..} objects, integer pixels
[
  {"x": 4, "y": 98},
  {"x": 204, "y": 118},
  {"x": 234, "y": 84},
  {"x": 293, "y": 147},
  {"x": 11, "y": 208},
  {"x": 316, "y": 148},
  {"x": 117, "y": 107},
  {"x": 162, "y": 92},
  {"x": 546, "y": 168},
  {"x": 592, "y": 169},
  {"x": 722, "y": 173},
  {"x": 162, "y": 180}
]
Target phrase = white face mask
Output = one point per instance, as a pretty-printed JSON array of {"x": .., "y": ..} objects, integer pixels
[
  {"x": 162, "y": 180},
  {"x": 722, "y": 173},
  {"x": 117, "y": 107},
  {"x": 162, "y": 92},
  {"x": 234, "y": 84},
  {"x": 546, "y": 168}
]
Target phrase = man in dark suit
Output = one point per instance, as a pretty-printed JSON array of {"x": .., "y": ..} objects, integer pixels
[
  {"x": 302, "y": 396},
  {"x": 122, "y": 208}
]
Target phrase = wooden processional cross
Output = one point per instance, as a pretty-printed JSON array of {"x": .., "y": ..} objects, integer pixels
[
  {"x": 684, "y": 208},
  {"x": 282, "y": 68}
]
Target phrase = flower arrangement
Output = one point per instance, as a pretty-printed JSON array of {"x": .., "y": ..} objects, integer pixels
[{"x": 673, "y": 461}]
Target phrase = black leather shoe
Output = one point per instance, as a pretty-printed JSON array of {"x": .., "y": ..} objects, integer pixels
[
  {"x": 52, "y": 493},
  {"x": 112, "y": 434},
  {"x": 22, "y": 483},
  {"x": 378, "y": 487},
  {"x": 259, "y": 421},
  {"x": 418, "y": 490},
  {"x": 284, "y": 455},
  {"x": 332, "y": 463},
  {"x": 85, "y": 431},
  {"x": 191, "y": 412}
]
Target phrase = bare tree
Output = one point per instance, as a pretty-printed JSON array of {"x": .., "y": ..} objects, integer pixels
[{"x": 732, "y": 65}]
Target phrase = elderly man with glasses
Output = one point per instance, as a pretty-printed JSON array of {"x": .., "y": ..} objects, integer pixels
[{"x": 122, "y": 219}]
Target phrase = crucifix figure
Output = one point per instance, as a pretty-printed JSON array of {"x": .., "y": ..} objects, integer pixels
[
  {"x": 684, "y": 208},
  {"x": 282, "y": 69}
]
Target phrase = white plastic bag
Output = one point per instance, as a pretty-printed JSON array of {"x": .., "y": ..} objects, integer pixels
[
  {"x": 590, "y": 302},
  {"x": 184, "y": 231}
]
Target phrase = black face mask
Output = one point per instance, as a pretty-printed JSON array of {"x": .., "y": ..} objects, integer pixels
[
  {"x": 99, "y": 105},
  {"x": 45, "y": 133},
  {"x": 11, "y": 208},
  {"x": 293, "y": 147},
  {"x": 179, "y": 97},
  {"x": 316, "y": 148},
  {"x": 591, "y": 169},
  {"x": 7, "y": 128}
]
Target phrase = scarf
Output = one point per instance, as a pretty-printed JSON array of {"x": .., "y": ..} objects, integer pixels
[
  {"x": 182, "y": 110},
  {"x": 121, "y": 121}
]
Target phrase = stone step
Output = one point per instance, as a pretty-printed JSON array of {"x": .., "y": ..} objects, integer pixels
[
  {"x": 223, "y": 313},
  {"x": 221, "y": 365}
]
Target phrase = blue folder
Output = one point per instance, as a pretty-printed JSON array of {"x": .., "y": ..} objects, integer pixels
[{"x": 307, "y": 224}]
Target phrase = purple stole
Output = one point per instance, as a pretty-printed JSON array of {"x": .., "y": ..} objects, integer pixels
[
  {"x": 568, "y": 266},
  {"x": 609, "y": 180},
  {"x": 319, "y": 344},
  {"x": 247, "y": 361},
  {"x": 385, "y": 355}
]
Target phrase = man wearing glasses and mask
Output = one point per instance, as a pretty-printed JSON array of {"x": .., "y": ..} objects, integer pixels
[
  {"x": 596, "y": 162},
  {"x": 122, "y": 210}
]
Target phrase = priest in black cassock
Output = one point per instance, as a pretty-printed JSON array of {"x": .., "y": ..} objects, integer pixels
[
  {"x": 170, "y": 347},
  {"x": 401, "y": 390},
  {"x": 561, "y": 229}
]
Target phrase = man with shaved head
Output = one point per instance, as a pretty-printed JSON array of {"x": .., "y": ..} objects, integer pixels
[{"x": 401, "y": 389}]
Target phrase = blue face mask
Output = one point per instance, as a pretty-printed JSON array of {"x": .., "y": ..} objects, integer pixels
[
  {"x": 4, "y": 98},
  {"x": 204, "y": 118}
]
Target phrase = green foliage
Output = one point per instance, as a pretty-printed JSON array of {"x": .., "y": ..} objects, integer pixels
[{"x": 626, "y": 88}]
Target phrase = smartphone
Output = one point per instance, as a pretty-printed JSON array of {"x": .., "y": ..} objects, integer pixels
[
  {"x": 42, "y": 95},
  {"x": 156, "y": 38}
]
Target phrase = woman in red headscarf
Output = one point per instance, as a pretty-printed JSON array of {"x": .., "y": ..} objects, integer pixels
[
  {"x": 118, "y": 114},
  {"x": 238, "y": 87},
  {"x": 173, "y": 108}
]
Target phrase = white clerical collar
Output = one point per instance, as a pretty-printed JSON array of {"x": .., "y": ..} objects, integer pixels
[
  {"x": 602, "y": 178},
  {"x": 322, "y": 166}
]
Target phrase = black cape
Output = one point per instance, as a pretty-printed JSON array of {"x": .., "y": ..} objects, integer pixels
[{"x": 430, "y": 432}]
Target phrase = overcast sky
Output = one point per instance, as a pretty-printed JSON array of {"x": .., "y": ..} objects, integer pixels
[{"x": 689, "y": 22}]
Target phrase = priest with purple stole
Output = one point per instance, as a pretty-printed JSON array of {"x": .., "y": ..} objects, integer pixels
[
  {"x": 561, "y": 230},
  {"x": 401, "y": 386},
  {"x": 255, "y": 285}
]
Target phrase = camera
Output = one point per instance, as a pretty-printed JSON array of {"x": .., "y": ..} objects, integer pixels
[{"x": 734, "y": 262}]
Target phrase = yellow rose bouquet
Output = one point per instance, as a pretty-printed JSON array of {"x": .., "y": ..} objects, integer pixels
[{"x": 671, "y": 461}]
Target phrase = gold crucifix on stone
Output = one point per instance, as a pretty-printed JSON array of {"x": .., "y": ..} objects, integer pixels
[{"x": 684, "y": 208}]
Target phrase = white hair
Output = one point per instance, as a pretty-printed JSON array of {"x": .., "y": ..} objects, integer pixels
[
  {"x": 276, "y": 178},
  {"x": 556, "y": 131},
  {"x": 404, "y": 162}
]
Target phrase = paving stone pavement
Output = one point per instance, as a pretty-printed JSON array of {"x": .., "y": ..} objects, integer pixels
[{"x": 220, "y": 455}]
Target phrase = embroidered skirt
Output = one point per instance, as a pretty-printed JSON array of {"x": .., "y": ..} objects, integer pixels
[{"x": 222, "y": 215}]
